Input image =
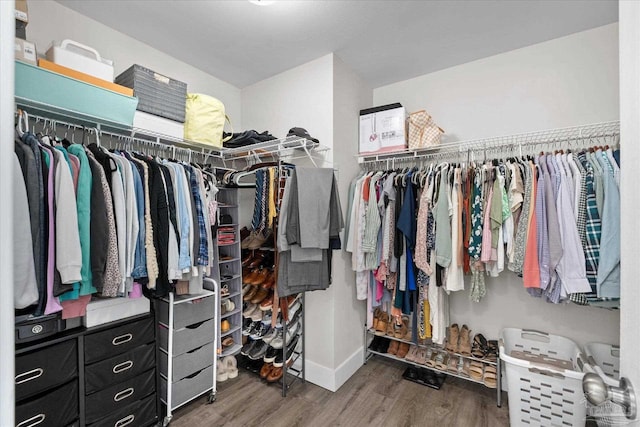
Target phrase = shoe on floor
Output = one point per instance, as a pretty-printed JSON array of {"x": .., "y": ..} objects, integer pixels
[
  {"x": 231, "y": 366},
  {"x": 266, "y": 370}
]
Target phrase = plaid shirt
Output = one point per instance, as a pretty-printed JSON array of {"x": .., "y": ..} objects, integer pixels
[
  {"x": 203, "y": 246},
  {"x": 593, "y": 230}
]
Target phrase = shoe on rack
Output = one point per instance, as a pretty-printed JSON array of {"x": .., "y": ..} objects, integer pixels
[
  {"x": 411, "y": 354},
  {"x": 246, "y": 349},
  {"x": 231, "y": 366},
  {"x": 267, "y": 303},
  {"x": 266, "y": 370},
  {"x": 452, "y": 340},
  {"x": 393, "y": 347},
  {"x": 248, "y": 328},
  {"x": 224, "y": 326},
  {"x": 248, "y": 311},
  {"x": 400, "y": 329},
  {"x": 278, "y": 362},
  {"x": 464, "y": 344},
  {"x": 258, "y": 350},
  {"x": 259, "y": 295},
  {"x": 403, "y": 349},
  {"x": 271, "y": 354},
  {"x": 292, "y": 330},
  {"x": 248, "y": 240},
  {"x": 250, "y": 294},
  {"x": 246, "y": 323},
  {"x": 261, "y": 330},
  {"x": 269, "y": 336}
]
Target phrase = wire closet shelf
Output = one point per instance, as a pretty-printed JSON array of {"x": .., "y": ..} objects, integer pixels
[
  {"x": 574, "y": 137},
  {"x": 154, "y": 143}
]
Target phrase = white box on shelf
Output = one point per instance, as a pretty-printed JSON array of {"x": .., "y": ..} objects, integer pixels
[
  {"x": 110, "y": 309},
  {"x": 25, "y": 51},
  {"x": 82, "y": 58},
  {"x": 382, "y": 129},
  {"x": 158, "y": 125}
]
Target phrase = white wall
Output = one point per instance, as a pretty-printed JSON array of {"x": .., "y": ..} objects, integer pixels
[
  {"x": 630, "y": 202},
  {"x": 350, "y": 95},
  {"x": 563, "y": 82},
  {"x": 301, "y": 97},
  {"x": 49, "y": 21}
]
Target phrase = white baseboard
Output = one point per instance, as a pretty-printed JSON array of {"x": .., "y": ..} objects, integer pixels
[
  {"x": 348, "y": 368},
  {"x": 331, "y": 379}
]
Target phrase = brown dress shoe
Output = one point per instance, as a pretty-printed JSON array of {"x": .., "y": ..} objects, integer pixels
[
  {"x": 403, "y": 349},
  {"x": 249, "y": 295},
  {"x": 393, "y": 347},
  {"x": 274, "y": 375},
  {"x": 260, "y": 295},
  {"x": 266, "y": 370}
]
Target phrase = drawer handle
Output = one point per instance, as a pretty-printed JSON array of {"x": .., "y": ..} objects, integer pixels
[
  {"x": 38, "y": 419},
  {"x": 121, "y": 367},
  {"x": 125, "y": 421},
  {"x": 122, "y": 339},
  {"x": 29, "y": 375},
  {"x": 123, "y": 394}
]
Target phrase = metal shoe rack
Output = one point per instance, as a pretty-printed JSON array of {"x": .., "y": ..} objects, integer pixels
[{"x": 369, "y": 353}]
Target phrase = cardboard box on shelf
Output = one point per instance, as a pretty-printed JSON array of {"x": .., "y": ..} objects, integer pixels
[
  {"x": 25, "y": 51},
  {"x": 382, "y": 129},
  {"x": 22, "y": 13}
]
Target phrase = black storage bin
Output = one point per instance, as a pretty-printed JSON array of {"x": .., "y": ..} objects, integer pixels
[
  {"x": 57, "y": 408},
  {"x": 45, "y": 368},
  {"x": 157, "y": 94},
  {"x": 108, "y": 343},
  {"x": 119, "y": 368},
  {"x": 140, "y": 413},
  {"x": 119, "y": 396}
]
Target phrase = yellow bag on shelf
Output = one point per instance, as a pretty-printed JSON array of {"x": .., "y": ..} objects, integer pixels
[{"x": 204, "y": 120}]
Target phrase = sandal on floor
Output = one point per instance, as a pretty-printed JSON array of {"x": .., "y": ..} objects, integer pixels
[
  {"x": 490, "y": 377},
  {"x": 476, "y": 370}
]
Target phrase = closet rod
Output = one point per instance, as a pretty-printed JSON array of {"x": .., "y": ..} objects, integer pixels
[
  {"x": 521, "y": 140},
  {"x": 123, "y": 140}
]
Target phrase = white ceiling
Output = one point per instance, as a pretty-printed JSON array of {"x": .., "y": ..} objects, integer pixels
[{"x": 383, "y": 41}]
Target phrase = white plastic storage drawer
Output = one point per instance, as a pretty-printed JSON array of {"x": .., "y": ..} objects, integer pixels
[
  {"x": 190, "y": 387},
  {"x": 187, "y": 339},
  {"x": 82, "y": 58},
  {"x": 187, "y": 313},
  {"x": 187, "y": 363}
]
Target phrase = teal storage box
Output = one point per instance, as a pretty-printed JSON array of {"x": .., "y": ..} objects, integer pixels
[{"x": 44, "y": 91}]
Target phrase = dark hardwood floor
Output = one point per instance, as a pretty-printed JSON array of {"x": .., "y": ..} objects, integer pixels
[{"x": 375, "y": 396}]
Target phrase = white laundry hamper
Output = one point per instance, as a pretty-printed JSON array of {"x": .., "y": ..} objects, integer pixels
[{"x": 541, "y": 394}]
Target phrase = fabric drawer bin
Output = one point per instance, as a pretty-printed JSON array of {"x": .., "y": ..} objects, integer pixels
[
  {"x": 189, "y": 387},
  {"x": 36, "y": 87},
  {"x": 119, "y": 396},
  {"x": 187, "y": 339},
  {"x": 187, "y": 313},
  {"x": 105, "y": 344},
  {"x": 54, "y": 409},
  {"x": 119, "y": 368},
  {"x": 157, "y": 94},
  {"x": 187, "y": 363},
  {"x": 140, "y": 413},
  {"x": 45, "y": 368}
]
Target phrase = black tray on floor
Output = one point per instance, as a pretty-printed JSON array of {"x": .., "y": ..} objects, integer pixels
[{"x": 424, "y": 377}]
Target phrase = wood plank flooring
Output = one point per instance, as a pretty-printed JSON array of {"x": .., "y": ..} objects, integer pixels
[{"x": 375, "y": 396}]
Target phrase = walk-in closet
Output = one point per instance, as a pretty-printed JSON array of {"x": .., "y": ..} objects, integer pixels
[{"x": 318, "y": 213}]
